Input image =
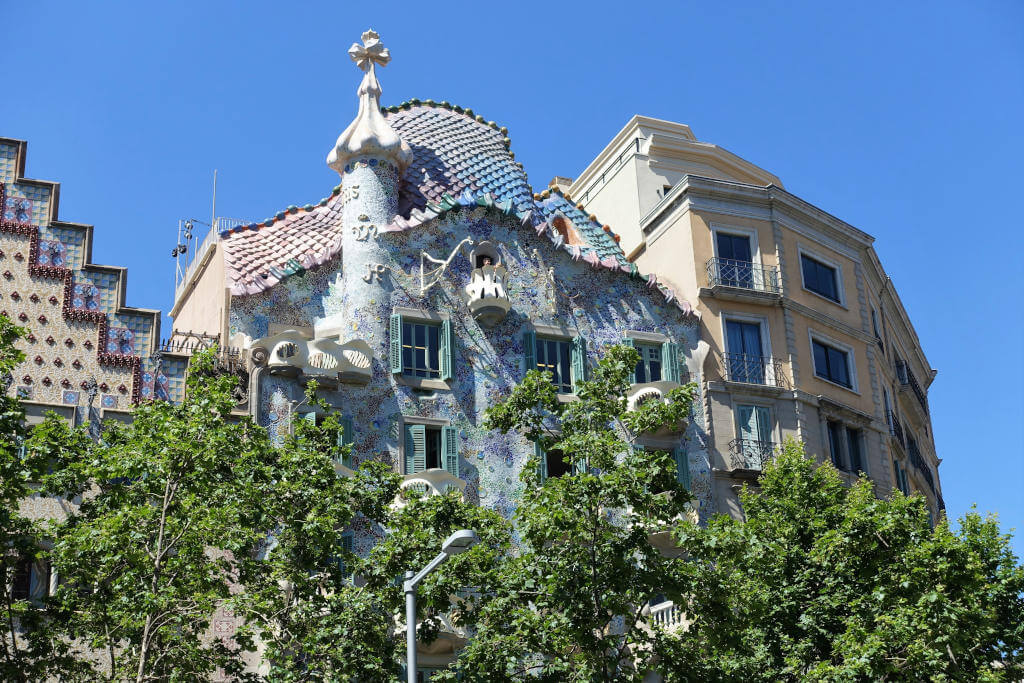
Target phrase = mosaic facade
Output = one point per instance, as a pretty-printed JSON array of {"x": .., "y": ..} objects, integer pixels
[{"x": 79, "y": 328}]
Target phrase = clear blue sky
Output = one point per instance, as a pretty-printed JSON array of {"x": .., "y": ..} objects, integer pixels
[{"x": 903, "y": 119}]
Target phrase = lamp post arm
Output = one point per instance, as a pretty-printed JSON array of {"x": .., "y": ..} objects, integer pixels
[{"x": 410, "y": 584}]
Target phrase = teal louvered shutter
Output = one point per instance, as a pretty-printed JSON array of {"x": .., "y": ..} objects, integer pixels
[
  {"x": 309, "y": 417},
  {"x": 347, "y": 546},
  {"x": 580, "y": 466},
  {"x": 632, "y": 373},
  {"x": 345, "y": 437},
  {"x": 530, "y": 350},
  {"x": 542, "y": 457},
  {"x": 447, "y": 351},
  {"x": 415, "y": 448},
  {"x": 579, "y": 361},
  {"x": 670, "y": 362},
  {"x": 682, "y": 467},
  {"x": 450, "y": 450},
  {"x": 396, "y": 343}
]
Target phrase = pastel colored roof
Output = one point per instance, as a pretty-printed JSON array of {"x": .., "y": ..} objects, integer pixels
[{"x": 459, "y": 160}]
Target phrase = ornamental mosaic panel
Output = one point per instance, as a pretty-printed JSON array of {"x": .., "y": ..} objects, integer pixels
[
  {"x": 8, "y": 162},
  {"x": 95, "y": 291},
  {"x": 73, "y": 241},
  {"x": 38, "y": 198}
]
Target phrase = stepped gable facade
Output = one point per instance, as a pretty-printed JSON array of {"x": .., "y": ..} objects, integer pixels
[{"x": 88, "y": 356}]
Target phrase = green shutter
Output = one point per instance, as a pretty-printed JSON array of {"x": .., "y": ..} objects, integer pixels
[
  {"x": 632, "y": 373},
  {"x": 345, "y": 437},
  {"x": 670, "y": 362},
  {"x": 447, "y": 351},
  {"x": 542, "y": 457},
  {"x": 450, "y": 450},
  {"x": 347, "y": 546},
  {"x": 682, "y": 467},
  {"x": 579, "y": 361},
  {"x": 580, "y": 466},
  {"x": 415, "y": 448},
  {"x": 530, "y": 350},
  {"x": 396, "y": 343}
]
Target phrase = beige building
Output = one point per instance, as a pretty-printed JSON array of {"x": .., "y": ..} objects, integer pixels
[{"x": 806, "y": 336}]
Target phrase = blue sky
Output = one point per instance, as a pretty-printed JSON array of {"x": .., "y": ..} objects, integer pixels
[{"x": 903, "y": 119}]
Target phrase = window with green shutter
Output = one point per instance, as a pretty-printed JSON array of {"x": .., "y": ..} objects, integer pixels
[
  {"x": 421, "y": 348},
  {"x": 579, "y": 361},
  {"x": 450, "y": 450},
  {"x": 553, "y": 463},
  {"x": 670, "y": 362},
  {"x": 345, "y": 437},
  {"x": 347, "y": 547},
  {"x": 415, "y": 448},
  {"x": 682, "y": 467}
]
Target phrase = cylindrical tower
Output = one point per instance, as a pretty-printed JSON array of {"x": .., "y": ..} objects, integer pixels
[{"x": 370, "y": 157}]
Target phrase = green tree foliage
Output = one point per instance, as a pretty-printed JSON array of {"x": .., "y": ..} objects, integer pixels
[
  {"x": 568, "y": 603},
  {"x": 29, "y": 649},
  {"x": 827, "y": 582}
]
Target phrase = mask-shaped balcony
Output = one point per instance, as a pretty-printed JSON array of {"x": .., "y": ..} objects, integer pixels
[
  {"x": 428, "y": 483},
  {"x": 294, "y": 354},
  {"x": 486, "y": 295},
  {"x": 654, "y": 391}
]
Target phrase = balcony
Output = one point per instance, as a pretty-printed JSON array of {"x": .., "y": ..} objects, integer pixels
[
  {"x": 293, "y": 354},
  {"x": 751, "y": 455},
  {"x": 910, "y": 383},
  {"x": 743, "y": 280},
  {"x": 666, "y": 615},
  {"x": 428, "y": 483},
  {"x": 747, "y": 369},
  {"x": 486, "y": 296},
  {"x": 896, "y": 429},
  {"x": 914, "y": 455}
]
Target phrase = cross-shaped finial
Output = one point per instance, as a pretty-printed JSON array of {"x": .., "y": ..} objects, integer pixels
[{"x": 370, "y": 52}]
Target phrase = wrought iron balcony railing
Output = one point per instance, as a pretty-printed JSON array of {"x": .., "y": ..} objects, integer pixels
[
  {"x": 741, "y": 367},
  {"x": 752, "y": 454},
  {"x": 907, "y": 379},
  {"x": 914, "y": 454},
  {"x": 728, "y": 272},
  {"x": 897, "y": 429}
]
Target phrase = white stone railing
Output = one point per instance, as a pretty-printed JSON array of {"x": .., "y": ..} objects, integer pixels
[
  {"x": 432, "y": 482},
  {"x": 666, "y": 615}
]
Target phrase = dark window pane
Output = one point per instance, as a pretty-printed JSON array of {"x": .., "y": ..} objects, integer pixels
[
  {"x": 853, "y": 437},
  {"x": 557, "y": 466},
  {"x": 820, "y": 360},
  {"x": 834, "y": 441},
  {"x": 433, "y": 448},
  {"x": 838, "y": 367}
]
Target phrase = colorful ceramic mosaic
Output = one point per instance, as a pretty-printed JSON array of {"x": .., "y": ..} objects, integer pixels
[{"x": 72, "y": 308}]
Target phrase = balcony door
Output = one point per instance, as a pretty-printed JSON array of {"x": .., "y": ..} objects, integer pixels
[
  {"x": 736, "y": 268},
  {"x": 745, "y": 358},
  {"x": 755, "y": 428}
]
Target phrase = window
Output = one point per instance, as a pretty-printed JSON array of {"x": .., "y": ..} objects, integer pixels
[
  {"x": 745, "y": 359},
  {"x": 831, "y": 363},
  {"x": 658, "y": 362},
  {"x": 31, "y": 580},
  {"x": 875, "y": 328},
  {"x": 648, "y": 368},
  {"x": 344, "y": 571},
  {"x": 835, "y": 442},
  {"x": 345, "y": 435},
  {"x": 421, "y": 348},
  {"x": 665, "y": 189},
  {"x": 854, "y": 449},
  {"x": 429, "y": 447},
  {"x": 819, "y": 278},
  {"x": 755, "y": 445},
  {"x": 565, "y": 359},
  {"x": 682, "y": 464},
  {"x": 555, "y": 463},
  {"x": 735, "y": 261},
  {"x": 901, "y": 478}
]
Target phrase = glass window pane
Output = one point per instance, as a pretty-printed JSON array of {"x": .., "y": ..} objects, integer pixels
[
  {"x": 406, "y": 334},
  {"x": 820, "y": 360}
]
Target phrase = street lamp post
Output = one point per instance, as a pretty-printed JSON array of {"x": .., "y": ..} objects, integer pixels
[{"x": 458, "y": 542}]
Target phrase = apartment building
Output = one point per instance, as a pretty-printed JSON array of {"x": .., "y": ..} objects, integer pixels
[{"x": 805, "y": 333}]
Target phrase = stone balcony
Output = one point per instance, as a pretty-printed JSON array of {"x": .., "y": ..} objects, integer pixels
[
  {"x": 654, "y": 391},
  {"x": 486, "y": 295},
  {"x": 665, "y": 615},
  {"x": 295, "y": 354},
  {"x": 428, "y": 483}
]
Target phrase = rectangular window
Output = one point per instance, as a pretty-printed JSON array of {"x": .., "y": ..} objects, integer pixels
[
  {"x": 835, "y": 443},
  {"x": 735, "y": 267},
  {"x": 553, "y": 463},
  {"x": 854, "y": 449},
  {"x": 831, "y": 363},
  {"x": 755, "y": 428},
  {"x": 430, "y": 447},
  {"x": 744, "y": 360},
  {"x": 421, "y": 346},
  {"x": 819, "y": 278},
  {"x": 554, "y": 356},
  {"x": 648, "y": 368}
]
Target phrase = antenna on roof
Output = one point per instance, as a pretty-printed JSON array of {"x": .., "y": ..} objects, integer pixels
[{"x": 213, "y": 211}]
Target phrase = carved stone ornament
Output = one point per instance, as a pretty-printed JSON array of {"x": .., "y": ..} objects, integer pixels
[
  {"x": 294, "y": 354},
  {"x": 369, "y": 135},
  {"x": 374, "y": 271}
]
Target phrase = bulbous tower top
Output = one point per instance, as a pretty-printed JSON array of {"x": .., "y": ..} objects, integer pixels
[{"x": 369, "y": 135}]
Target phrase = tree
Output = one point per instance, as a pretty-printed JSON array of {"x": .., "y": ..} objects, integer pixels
[
  {"x": 825, "y": 582},
  {"x": 28, "y": 649},
  {"x": 569, "y": 604}
]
